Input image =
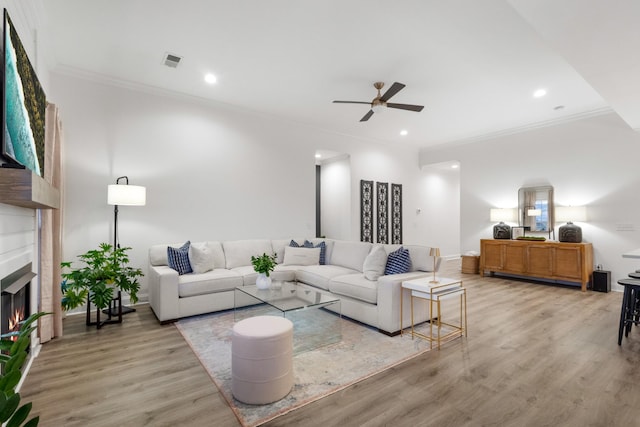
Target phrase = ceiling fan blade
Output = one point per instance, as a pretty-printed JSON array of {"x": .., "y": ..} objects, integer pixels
[
  {"x": 351, "y": 102},
  {"x": 395, "y": 88},
  {"x": 409, "y": 107},
  {"x": 366, "y": 116}
]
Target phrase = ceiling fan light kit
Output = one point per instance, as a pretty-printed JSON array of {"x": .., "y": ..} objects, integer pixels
[{"x": 380, "y": 102}]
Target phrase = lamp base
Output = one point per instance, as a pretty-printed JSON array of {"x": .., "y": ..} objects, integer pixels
[
  {"x": 501, "y": 231},
  {"x": 570, "y": 233},
  {"x": 430, "y": 281}
]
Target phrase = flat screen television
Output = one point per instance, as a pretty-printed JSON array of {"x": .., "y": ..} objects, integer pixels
[{"x": 24, "y": 105}]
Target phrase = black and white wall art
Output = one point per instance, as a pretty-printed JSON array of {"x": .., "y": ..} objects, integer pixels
[
  {"x": 396, "y": 213},
  {"x": 382, "y": 199},
  {"x": 366, "y": 211}
]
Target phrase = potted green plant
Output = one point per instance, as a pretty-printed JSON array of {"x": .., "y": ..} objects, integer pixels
[
  {"x": 13, "y": 347},
  {"x": 104, "y": 271},
  {"x": 263, "y": 265}
]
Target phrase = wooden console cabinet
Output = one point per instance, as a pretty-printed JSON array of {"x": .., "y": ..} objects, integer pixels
[{"x": 568, "y": 262}]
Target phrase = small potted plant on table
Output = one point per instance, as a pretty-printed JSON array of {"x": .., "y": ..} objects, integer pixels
[{"x": 263, "y": 265}]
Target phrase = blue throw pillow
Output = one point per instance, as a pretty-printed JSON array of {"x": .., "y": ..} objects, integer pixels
[
  {"x": 398, "y": 262},
  {"x": 323, "y": 250},
  {"x": 294, "y": 244},
  {"x": 179, "y": 258}
]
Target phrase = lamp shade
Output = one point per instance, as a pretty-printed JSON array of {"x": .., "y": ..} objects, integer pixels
[
  {"x": 434, "y": 252},
  {"x": 378, "y": 108},
  {"x": 502, "y": 215},
  {"x": 126, "y": 195},
  {"x": 534, "y": 212},
  {"x": 571, "y": 213}
]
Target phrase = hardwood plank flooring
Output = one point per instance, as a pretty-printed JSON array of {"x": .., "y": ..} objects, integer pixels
[{"x": 536, "y": 355}]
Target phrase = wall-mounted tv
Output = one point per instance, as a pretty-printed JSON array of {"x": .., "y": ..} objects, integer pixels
[{"x": 24, "y": 105}]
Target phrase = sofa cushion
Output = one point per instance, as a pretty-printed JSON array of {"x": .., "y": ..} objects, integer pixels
[
  {"x": 319, "y": 275},
  {"x": 216, "y": 280},
  {"x": 238, "y": 253},
  {"x": 398, "y": 262},
  {"x": 178, "y": 258},
  {"x": 247, "y": 273},
  {"x": 278, "y": 246},
  {"x": 355, "y": 286},
  {"x": 301, "y": 256},
  {"x": 158, "y": 253},
  {"x": 350, "y": 254},
  {"x": 284, "y": 273},
  {"x": 201, "y": 258},
  {"x": 375, "y": 263},
  {"x": 420, "y": 259}
]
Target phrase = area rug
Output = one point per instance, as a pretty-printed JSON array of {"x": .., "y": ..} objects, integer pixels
[{"x": 361, "y": 353}]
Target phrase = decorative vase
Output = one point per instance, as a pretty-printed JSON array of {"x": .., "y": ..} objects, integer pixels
[
  {"x": 570, "y": 233},
  {"x": 263, "y": 281}
]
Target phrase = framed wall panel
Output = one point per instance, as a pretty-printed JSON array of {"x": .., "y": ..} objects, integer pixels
[
  {"x": 366, "y": 211},
  {"x": 382, "y": 190},
  {"x": 396, "y": 213}
]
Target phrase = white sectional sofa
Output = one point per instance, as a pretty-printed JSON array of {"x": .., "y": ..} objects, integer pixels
[{"x": 373, "y": 302}]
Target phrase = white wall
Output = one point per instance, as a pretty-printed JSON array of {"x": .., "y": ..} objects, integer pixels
[
  {"x": 592, "y": 162},
  {"x": 438, "y": 221},
  {"x": 335, "y": 198},
  {"x": 212, "y": 172}
]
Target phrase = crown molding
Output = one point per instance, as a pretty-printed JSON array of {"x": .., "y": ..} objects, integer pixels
[{"x": 523, "y": 128}]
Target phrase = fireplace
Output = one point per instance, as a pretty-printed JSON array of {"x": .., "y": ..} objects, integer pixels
[{"x": 16, "y": 299}]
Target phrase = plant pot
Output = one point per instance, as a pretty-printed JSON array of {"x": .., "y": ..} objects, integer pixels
[{"x": 262, "y": 281}]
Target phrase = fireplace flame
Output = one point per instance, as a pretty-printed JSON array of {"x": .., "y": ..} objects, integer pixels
[{"x": 14, "y": 321}]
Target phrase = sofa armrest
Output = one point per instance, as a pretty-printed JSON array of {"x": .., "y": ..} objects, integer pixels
[
  {"x": 163, "y": 292},
  {"x": 389, "y": 291}
]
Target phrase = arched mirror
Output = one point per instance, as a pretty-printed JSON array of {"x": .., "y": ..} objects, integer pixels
[{"x": 535, "y": 208}]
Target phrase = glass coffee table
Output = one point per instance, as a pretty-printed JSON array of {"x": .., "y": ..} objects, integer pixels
[{"x": 316, "y": 314}]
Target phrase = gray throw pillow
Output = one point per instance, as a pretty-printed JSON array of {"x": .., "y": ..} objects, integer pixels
[{"x": 375, "y": 263}]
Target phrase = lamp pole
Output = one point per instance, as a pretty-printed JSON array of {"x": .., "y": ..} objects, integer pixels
[{"x": 115, "y": 215}]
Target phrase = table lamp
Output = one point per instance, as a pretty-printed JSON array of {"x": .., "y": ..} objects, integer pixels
[
  {"x": 435, "y": 253},
  {"x": 570, "y": 232},
  {"x": 500, "y": 215}
]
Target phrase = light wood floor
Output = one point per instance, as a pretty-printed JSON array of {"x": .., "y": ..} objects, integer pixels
[{"x": 536, "y": 355}]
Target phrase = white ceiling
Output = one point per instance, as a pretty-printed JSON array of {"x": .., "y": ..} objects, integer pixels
[{"x": 473, "y": 64}]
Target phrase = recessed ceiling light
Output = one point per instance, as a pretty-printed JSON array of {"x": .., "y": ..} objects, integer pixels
[
  {"x": 539, "y": 93},
  {"x": 210, "y": 78},
  {"x": 454, "y": 166},
  {"x": 404, "y": 132},
  {"x": 318, "y": 156}
]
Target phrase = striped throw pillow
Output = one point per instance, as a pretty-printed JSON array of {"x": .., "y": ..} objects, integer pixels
[
  {"x": 398, "y": 262},
  {"x": 179, "y": 258}
]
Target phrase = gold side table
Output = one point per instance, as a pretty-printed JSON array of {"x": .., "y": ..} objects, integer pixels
[{"x": 435, "y": 293}]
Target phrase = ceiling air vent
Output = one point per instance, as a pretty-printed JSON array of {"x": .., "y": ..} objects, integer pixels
[{"x": 171, "y": 60}]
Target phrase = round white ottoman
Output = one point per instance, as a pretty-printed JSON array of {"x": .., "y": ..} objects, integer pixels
[{"x": 262, "y": 359}]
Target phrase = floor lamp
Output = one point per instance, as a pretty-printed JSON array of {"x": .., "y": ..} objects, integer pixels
[{"x": 124, "y": 195}]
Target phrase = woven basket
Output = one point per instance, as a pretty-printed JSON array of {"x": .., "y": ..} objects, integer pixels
[{"x": 470, "y": 264}]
